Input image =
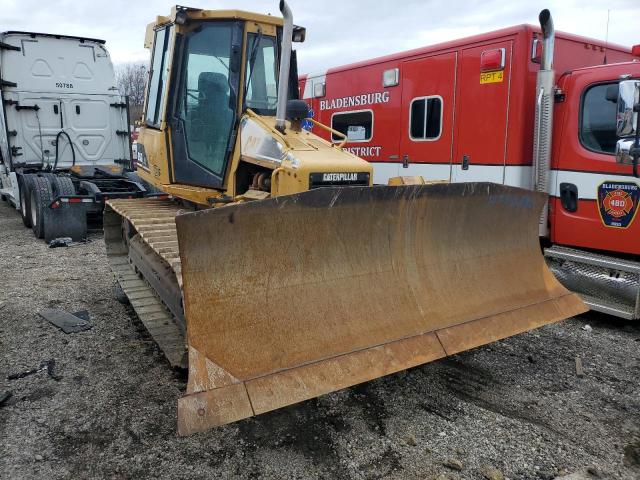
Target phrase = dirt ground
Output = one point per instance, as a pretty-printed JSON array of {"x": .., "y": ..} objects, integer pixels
[{"x": 514, "y": 408}]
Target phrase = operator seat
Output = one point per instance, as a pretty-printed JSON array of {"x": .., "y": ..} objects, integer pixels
[{"x": 213, "y": 116}]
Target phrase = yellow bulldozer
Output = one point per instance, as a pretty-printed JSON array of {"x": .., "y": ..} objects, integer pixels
[{"x": 265, "y": 260}]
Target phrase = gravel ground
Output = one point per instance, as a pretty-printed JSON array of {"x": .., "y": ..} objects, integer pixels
[{"x": 515, "y": 407}]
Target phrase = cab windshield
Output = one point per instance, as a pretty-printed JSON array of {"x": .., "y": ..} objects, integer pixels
[{"x": 261, "y": 85}]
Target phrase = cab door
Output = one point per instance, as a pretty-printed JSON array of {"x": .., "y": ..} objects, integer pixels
[
  {"x": 203, "y": 106},
  {"x": 426, "y": 136},
  {"x": 482, "y": 113}
]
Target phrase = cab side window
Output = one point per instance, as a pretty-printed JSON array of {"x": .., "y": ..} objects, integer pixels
[
  {"x": 157, "y": 77},
  {"x": 598, "y": 120}
]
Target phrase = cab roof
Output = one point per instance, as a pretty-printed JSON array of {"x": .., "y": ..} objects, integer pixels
[{"x": 197, "y": 14}]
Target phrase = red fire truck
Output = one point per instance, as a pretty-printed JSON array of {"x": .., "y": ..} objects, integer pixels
[{"x": 486, "y": 108}]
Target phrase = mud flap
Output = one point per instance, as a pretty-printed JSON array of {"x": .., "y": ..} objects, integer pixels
[
  {"x": 67, "y": 220},
  {"x": 297, "y": 296}
]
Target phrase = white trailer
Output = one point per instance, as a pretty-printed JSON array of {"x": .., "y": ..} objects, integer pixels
[{"x": 64, "y": 132}]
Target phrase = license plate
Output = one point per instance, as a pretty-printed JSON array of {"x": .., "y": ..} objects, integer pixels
[{"x": 491, "y": 77}]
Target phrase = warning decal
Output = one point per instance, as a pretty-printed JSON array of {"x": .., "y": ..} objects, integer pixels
[
  {"x": 618, "y": 202},
  {"x": 492, "y": 77}
]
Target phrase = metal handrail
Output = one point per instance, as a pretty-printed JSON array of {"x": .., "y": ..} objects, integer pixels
[{"x": 329, "y": 129}]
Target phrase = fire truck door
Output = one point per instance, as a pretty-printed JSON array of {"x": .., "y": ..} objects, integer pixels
[
  {"x": 428, "y": 86},
  {"x": 482, "y": 100},
  {"x": 594, "y": 200}
]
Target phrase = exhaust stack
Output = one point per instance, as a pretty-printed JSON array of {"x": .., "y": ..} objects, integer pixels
[
  {"x": 285, "y": 62},
  {"x": 544, "y": 116},
  {"x": 548, "y": 38}
]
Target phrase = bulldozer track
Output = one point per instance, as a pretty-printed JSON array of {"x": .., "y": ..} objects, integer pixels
[{"x": 154, "y": 221}]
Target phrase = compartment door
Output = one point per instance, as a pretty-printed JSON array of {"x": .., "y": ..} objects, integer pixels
[
  {"x": 482, "y": 113},
  {"x": 426, "y": 138}
]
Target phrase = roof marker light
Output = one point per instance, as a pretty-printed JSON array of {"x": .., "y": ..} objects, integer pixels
[
  {"x": 391, "y": 77},
  {"x": 536, "y": 51},
  {"x": 318, "y": 90}
]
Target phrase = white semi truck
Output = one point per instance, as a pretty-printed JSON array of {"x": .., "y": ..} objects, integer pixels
[{"x": 65, "y": 144}]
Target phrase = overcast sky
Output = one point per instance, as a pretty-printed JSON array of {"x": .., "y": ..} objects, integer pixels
[{"x": 338, "y": 32}]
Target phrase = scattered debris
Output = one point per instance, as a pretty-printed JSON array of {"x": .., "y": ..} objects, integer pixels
[
  {"x": 579, "y": 368},
  {"x": 48, "y": 365},
  {"x": 83, "y": 315},
  {"x": 38, "y": 457},
  {"x": 411, "y": 441},
  {"x": 587, "y": 328},
  {"x": 61, "y": 242},
  {"x": 492, "y": 473},
  {"x": 67, "y": 322},
  {"x": 4, "y": 397},
  {"x": 581, "y": 475},
  {"x": 453, "y": 464},
  {"x": 593, "y": 471}
]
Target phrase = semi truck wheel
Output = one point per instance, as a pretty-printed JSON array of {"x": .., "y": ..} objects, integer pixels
[
  {"x": 40, "y": 199},
  {"x": 50, "y": 176},
  {"x": 62, "y": 186},
  {"x": 24, "y": 185}
]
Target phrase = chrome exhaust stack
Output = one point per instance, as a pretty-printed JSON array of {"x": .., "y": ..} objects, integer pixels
[
  {"x": 285, "y": 62},
  {"x": 542, "y": 135}
]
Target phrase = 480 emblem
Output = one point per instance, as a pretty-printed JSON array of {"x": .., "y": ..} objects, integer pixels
[{"x": 618, "y": 203}]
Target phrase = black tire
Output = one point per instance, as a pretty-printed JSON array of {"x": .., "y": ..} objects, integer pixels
[
  {"x": 50, "y": 176},
  {"x": 40, "y": 199},
  {"x": 62, "y": 186},
  {"x": 24, "y": 185}
]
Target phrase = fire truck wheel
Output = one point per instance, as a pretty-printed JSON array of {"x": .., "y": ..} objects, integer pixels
[
  {"x": 40, "y": 199},
  {"x": 24, "y": 185}
]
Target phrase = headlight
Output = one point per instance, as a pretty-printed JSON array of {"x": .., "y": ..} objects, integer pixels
[{"x": 258, "y": 144}]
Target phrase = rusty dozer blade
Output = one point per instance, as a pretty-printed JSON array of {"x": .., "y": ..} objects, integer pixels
[{"x": 293, "y": 297}]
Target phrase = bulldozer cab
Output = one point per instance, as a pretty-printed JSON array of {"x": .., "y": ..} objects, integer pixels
[{"x": 207, "y": 68}]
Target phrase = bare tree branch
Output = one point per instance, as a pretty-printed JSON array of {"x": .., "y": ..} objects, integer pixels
[{"x": 131, "y": 79}]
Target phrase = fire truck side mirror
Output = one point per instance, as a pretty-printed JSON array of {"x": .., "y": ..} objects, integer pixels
[
  {"x": 623, "y": 151},
  {"x": 612, "y": 93},
  {"x": 628, "y": 125},
  {"x": 628, "y": 98}
]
